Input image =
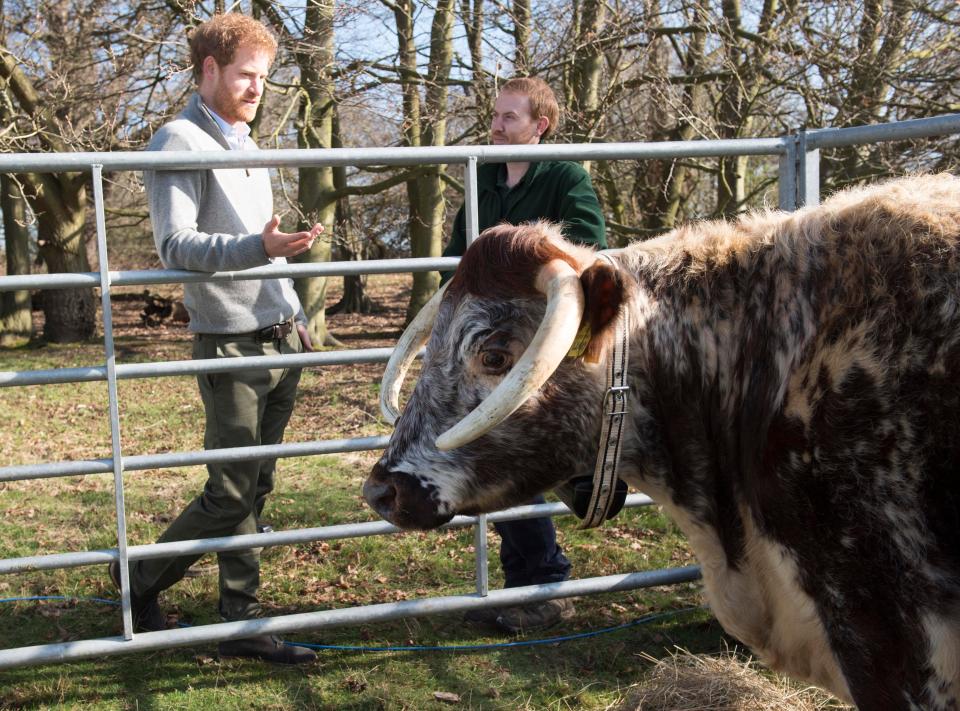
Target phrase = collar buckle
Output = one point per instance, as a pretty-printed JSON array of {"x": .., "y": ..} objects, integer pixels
[{"x": 618, "y": 394}]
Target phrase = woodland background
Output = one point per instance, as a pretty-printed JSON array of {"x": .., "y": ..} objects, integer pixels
[{"x": 103, "y": 75}]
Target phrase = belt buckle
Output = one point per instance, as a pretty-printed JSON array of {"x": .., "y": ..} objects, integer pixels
[{"x": 269, "y": 333}]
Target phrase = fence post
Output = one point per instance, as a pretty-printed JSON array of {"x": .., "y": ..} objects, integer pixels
[
  {"x": 470, "y": 199},
  {"x": 480, "y": 545},
  {"x": 799, "y": 174},
  {"x": 808, "y": 170},
  {"x": 787, "y": 176}
]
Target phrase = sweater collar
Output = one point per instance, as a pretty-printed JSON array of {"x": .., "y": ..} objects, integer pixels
[{"x": 196, "y": 112}]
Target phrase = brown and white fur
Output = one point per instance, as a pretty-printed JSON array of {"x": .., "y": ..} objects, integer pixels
[{"x": 795, "y": 404}]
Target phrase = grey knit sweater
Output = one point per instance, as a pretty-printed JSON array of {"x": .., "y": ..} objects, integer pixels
[{"x": 211, "y": 220}]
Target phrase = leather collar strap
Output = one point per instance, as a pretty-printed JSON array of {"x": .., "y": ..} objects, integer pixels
[{"x": 614, "y": 416}]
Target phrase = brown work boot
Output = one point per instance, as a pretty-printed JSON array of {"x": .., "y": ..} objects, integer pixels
[
  {"x": 146, "y": 612},
  {"x": 535, "y": 615},
  {"x": 486, "y": 616},
  {"x": 267, "y": 647}
]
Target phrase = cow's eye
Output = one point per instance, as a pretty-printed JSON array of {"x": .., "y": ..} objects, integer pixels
[{"x": 495, "y": 362}]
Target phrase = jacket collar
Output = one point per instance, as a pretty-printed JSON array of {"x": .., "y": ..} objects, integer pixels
[{"x": 498, "y": 174}]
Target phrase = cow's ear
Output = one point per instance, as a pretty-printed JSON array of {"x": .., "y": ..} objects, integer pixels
[{"x": 605, "y": 291}]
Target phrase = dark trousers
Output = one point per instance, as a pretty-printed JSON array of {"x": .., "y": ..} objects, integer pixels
[
  {"x": 529, "y": 552},
  {"x": 243, "y": 408}
]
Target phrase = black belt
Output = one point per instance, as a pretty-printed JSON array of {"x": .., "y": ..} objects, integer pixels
[{"x": 276, "y": 332}]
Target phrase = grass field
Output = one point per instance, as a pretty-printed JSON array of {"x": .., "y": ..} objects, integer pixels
[{"x": 53, "y": 423}]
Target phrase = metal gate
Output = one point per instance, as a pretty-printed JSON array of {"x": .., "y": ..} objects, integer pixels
[{"x": 798, "y": 184}]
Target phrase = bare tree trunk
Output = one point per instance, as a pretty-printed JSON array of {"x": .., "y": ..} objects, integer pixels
[
  {"x": 880, "y": 47},
  {"x": 60, "y": 203},
  {"x": 70, "y": 315},
  {"x": 521, "y": 37},
  {"x": 316, "y": 60},
  {"x": 16, "y": 319},
  {"x": 350, "y": 247},
  {"x": 666, "y": 180},
  {"x": 746, "y": 56},
  {"x": 425, "y": 192},
  {"x": 480, "y": 86},
  {"x": 732, "y": 117},
  {"x": 585, "y": 73}
]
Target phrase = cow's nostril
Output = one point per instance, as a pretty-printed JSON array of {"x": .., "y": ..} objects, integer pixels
[{"x": 381, "y": 497}]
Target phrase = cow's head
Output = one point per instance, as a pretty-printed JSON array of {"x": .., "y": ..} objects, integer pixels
[{"x": 502, "y": 409}]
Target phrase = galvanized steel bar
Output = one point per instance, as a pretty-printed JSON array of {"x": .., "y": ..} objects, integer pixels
[
  {"x": 876, "y": 133},
  {"x": 181, "y": 276},
  {"x": 276, "y": 538},
  {"x": 131, "y": 371},
  {"x": 114, "y": 406},
  {"x": 168, "y": 460},
  {"x": 327, "y": 619},
  {"x": 141, "y": 160},
  {"x": 426, "y": 155}
]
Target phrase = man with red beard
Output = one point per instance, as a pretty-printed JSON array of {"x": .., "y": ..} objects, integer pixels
[{"x": 222, "y": 220}]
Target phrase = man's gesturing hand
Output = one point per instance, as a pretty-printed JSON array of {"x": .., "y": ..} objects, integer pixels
[{"x": 287, "y": 244}]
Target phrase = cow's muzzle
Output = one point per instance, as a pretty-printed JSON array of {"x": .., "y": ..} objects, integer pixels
[{"x": 402, "y": 500}]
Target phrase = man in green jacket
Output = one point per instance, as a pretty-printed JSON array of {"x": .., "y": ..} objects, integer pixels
[
  {"x": 559, "y": 191},
  {"x": 526, "y": 112}
]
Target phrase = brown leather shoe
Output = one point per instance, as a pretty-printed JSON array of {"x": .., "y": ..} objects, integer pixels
[
  {"x": 147, "y": 615},
  {"x": 267, "y": 647}
]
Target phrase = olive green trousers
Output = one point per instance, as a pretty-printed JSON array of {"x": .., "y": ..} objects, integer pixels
[{"x": 243, "y": 408}]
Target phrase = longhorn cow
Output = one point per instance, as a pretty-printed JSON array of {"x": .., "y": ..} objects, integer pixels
[{"x": 794, "y": 405}]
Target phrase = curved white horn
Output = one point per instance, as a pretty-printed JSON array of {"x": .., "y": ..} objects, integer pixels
[
  {"x": 550, "y": 344},
  {"x": 404, "y": 353}
]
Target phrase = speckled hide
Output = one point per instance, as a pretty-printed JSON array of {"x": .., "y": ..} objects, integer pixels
[{"x": 795, "y": 404}]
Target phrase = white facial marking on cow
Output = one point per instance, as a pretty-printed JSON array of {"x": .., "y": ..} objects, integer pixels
[{"x": 447, "y": 480}]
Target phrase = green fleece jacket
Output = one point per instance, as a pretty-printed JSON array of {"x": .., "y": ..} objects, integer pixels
[{"x": 559, "y": 191}]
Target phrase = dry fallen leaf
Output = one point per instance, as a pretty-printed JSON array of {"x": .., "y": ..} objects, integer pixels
[{"x": 446, "y": 697}]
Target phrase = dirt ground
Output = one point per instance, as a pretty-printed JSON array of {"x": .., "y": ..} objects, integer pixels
[
  {"x": 388, "y": 292},
  {"x": 334, "y": 402}
]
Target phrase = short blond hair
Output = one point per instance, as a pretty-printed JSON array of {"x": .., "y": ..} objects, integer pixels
[
  {"x": 222, "y": 35},
  {"x": 543, "y": 102}
]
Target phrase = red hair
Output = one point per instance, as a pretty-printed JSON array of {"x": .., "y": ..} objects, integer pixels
[
  {"x": 222, "y": 35},
  {"x": 543, "y": 102}
]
